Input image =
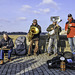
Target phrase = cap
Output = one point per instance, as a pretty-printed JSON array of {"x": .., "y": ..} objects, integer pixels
[
  {"x": 69, "y": 15},
  {"x": 35, "y": 21}
]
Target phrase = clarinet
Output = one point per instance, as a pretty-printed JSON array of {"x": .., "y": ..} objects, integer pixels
[{"x": 68, "y": 31}]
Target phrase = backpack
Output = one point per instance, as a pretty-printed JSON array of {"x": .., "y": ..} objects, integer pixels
[{"x": 20, "y": 46}]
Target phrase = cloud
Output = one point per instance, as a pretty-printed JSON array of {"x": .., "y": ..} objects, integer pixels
[
  {"x": 21, "y": 19},
  {"x": 26, "y": 7},
  {"x": 48, "y": 2},
  {"x": 36, "y": 12},
  {"x": 47, "y": 10},
  {"x": 51, "y": 3},
  {"x": 4, "y": 20}
]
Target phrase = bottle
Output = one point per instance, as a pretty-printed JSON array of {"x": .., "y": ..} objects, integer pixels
[{"x": 62, "y": 64}]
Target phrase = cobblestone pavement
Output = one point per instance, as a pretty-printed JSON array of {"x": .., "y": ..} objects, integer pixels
[{"x": 31, "y": 65}]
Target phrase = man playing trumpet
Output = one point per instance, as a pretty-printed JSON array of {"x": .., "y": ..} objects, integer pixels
[{"x": 34, "y": 34}]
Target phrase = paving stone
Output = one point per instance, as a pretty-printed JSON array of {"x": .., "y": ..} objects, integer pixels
[{"x": 31, "y": 65}]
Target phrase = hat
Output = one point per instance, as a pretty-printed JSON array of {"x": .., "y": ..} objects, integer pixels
[
  {"x": 69, "y": 15},
  {"x": 34, "y": 21}
]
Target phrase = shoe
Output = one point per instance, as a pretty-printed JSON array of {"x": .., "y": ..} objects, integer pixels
[
  {"x": 56, "y": 54},
  {"x": 28, "y": 54},
  {"x": 49, "y": 54},
  {"x": 9, "y": 60},
  {"x": 1, "y": 62}
]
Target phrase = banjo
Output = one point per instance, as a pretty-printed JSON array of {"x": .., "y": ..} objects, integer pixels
[{"x": 54, "y": 19}]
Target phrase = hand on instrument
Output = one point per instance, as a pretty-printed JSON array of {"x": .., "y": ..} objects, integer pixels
[
  {"x": 51, "y": 28},
  {"x": 4, "y": 47},
  {"x": 70, "y": 25},
  {"x": 57, "y": 25},
  {"x": 67, "y": 30}
]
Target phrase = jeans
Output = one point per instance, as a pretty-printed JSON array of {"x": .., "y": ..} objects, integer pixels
[
  {"x": 2, "y": 54},
  {"x": 72, "y": 43},
  {"x": 52, "y": 41}
]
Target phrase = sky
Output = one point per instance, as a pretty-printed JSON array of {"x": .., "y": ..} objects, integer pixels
[{"x": 17, "y": 15}]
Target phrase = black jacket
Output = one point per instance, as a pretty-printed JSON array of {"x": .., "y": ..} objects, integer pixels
[
  {"x": 8, "y": 43},
  {"x": 36, "y": 36}
]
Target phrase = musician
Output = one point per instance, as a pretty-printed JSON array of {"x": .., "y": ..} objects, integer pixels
[
  {"x": 53, "y": 39},
  {"x": 35, "y": 38},
  {"x": 6, "y": 43},
  {"x": 70, "y": 28}
]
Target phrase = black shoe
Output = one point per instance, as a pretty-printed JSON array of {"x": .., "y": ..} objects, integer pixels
[
  {"x": 28, "y": 54},
  {"x": 49, "y": 54},
  {"x": 56, "y": 54}
]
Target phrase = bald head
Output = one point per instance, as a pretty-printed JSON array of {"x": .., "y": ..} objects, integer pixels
[{"x": 5, "y": 36}]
